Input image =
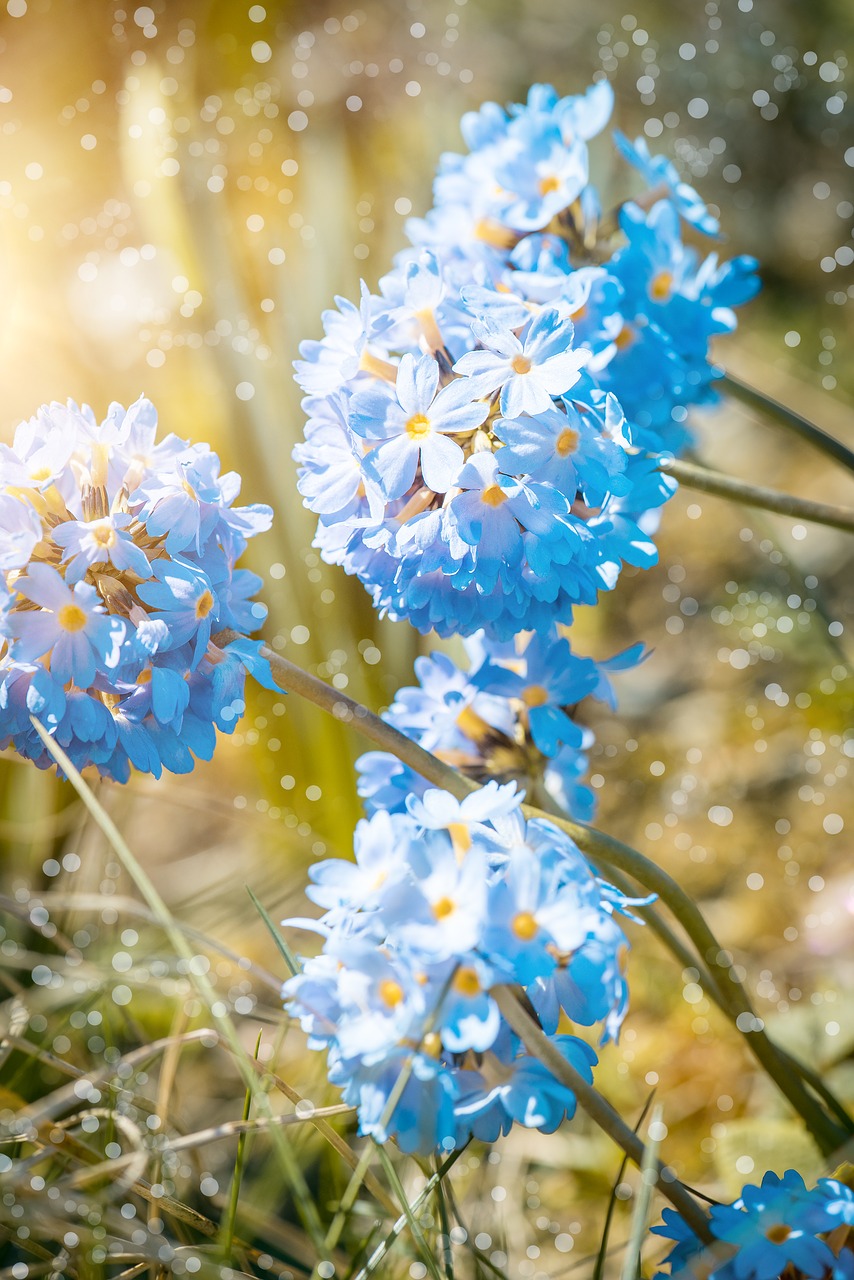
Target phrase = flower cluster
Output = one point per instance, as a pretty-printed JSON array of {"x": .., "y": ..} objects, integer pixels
[
  {"x": 777, "y": 1228},
  {"x": 117, "y": 556},
  {"x": 482, "y": 433},
  {"x": 508, "y": 718},
  {"x": 445, "y": 901}
]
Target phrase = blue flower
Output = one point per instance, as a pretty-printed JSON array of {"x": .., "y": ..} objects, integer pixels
[
  {"x": 442, "y": 904},
  {"x": 109, "y": 634},
  {"x": 73, "y": 626},
  {"x": 768, "y": 1229},
  {"x": 104, "y": 541},
  {"x": 659, "y": 171},
  {"x": 412, "y": 422},
  {"x": 529, "y": 370}
]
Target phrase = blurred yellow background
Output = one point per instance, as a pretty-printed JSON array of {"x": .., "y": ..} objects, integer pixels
[{"x": 184, "y": 187}]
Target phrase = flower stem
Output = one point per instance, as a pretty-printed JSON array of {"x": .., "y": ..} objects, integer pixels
[
  {"x": 723, "y": 486},
  {"x": 788, "y": 418},
  {"x": 598, "y": 1108},
  {"x": 726, "y": 989}
]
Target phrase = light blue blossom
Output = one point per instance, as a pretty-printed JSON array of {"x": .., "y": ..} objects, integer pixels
[
  {"x": 415, "y": 936},
  {"x": 529, "y": 370},
  {"x": 109, "y": 637}
]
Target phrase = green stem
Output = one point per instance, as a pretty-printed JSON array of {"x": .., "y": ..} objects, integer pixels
[
  {"x": 726, "y": 989},
  {"x": 723, "y": 486},
  {"x": 598, "y": 1108},
  {"x": 788, "y": 418},
  {"x": 736, "y": 1004}
]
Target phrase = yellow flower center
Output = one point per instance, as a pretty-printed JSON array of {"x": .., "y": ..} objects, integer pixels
[
  {"x": 548, "y": 184},
  {"x": 520, "y": 364},
  {"x": 391, "y": 992},
  {"x": 567, "y": 442},
  {"x": 661, "y": 286},
  {"x": 40, "y": 474},
  {"x": 432, "y": 1044},
  {"x": 524, "y": 926},
  {"x": 466, "y": 981},
  {"x": 104, "y": 535},
  {"x": 460, "y": 837},
  {"x": 535, "y": 695},
  {"x": 204, "y": 604},
  {"x": 779, "y": 1233},
  {"x": 443, "y": 908},
  {"x": 493, "y": 495},
  {"x": 625, "y": 337},
  {"x": 71, "y": 617},
  {"x": 418, "y": 426}
]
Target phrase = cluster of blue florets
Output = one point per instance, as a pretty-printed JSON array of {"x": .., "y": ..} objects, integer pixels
[
  {"x": 483, "y": 434},
  {"x": 117, "y": 571},
  {"x": 778, "y": 1228},
  {"x": 445, "y": 901},
  {"x": 507, "y": 717}
]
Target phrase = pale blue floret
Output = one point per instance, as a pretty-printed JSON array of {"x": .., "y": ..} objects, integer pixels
[
  {"x": 659, "y": 171},
  {"x": 529, "y": 370},
  {"x": 412, "y": 423},
  {"x": 72, "y": 626},
  {"x": 103, "y": 541}
]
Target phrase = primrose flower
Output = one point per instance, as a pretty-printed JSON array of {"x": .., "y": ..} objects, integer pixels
[
  {"x": 779, "y": 1227},
  {"x": 527, "y": 348},
  {"x": 117, "y": 556},
  {"x": 508, "y": 717},
  {"x": 444, "y": 902}
]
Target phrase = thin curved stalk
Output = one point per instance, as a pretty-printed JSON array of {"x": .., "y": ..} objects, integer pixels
[
  {"x": 707, "y": 480},
  {"x": 598, "y": 1108},
  {"x": 787, "y": 418},
  {"x": 785, "y": 504},
  {"x": 726, "y": 989},
  {"x": 736, "y": 1003}
]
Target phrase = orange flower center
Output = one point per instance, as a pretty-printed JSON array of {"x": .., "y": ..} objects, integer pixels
[
  {"x": 493, "y": 495},
  {"x": 466, "y": 981},
  {"x": 779, "y": 1233},
  {"x": 204, "y": 604},
  {"x": 520, "y": 364},
  {"x": 535, "y": 695},
  {"x": 391, "y": 992},
  {"x": 567, "y": 442},
  {"x": 524, "y": 926},
  {"x": 661, "y": 286}
]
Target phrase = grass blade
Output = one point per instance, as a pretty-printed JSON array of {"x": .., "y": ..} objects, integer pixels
[
  {"x": 281, "y": 946},
  {"x": 409, "y": 1213},
  {"x": 640, "y": 1217},
  {"x": 228, "y": 1222}
]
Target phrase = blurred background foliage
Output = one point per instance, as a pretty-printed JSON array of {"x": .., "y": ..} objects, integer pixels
[{"x": 185, "y": 186}]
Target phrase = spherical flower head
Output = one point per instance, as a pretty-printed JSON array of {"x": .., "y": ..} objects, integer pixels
[
  {"x": 417, "y": 933},
  {"x": 458, "y": 469},
  {"x": 506, "y": 716},
  {"x": 117, "y": 557}
]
